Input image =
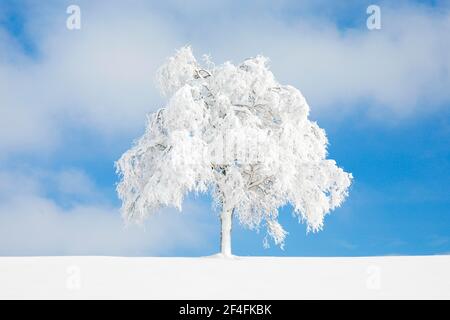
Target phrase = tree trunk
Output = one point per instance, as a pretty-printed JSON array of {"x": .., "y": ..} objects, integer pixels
[{"x": 225, "y": 235}]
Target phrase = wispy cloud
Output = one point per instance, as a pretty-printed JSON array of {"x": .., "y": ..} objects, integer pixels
[
  {"x": 101, "y": 77},
  {"x": 33, "y": 224}
]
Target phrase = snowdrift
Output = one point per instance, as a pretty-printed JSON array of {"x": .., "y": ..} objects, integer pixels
[{"x": 218, "y": 278}]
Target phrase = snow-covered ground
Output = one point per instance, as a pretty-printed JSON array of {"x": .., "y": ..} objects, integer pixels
[{"x": 216, "y": 278}]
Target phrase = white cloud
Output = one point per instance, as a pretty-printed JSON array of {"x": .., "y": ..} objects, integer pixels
[
  {"x": 75, "y": 182},
  {"x": 101, "y": 77},
  {"x": 401, "y": 69},
  {"x": 37, "y": 226},
  {"x": 33, "y": 224}
]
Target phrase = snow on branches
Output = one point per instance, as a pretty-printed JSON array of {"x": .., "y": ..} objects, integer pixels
[{"x": 233, "y": 131}]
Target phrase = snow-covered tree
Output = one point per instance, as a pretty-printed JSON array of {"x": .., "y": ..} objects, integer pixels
[{"x": 233, "y": 131}]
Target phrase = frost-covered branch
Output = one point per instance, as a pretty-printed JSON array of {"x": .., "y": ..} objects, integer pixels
[{"x": 236, "y": 132}]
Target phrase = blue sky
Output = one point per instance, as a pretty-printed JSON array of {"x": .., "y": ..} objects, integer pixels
[{"x": 71, "y": 102}]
